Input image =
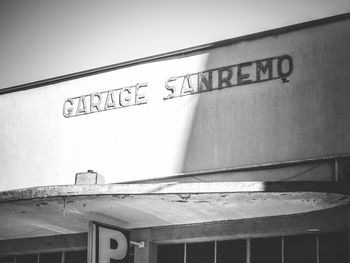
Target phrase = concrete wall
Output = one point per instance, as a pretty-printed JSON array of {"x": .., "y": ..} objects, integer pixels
[{"x": 257, "y": 123}]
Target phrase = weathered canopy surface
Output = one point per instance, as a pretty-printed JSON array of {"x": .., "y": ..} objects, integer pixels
[{"x": 55, "y": 210}]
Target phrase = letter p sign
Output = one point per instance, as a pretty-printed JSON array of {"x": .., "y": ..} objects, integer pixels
[{"x": 108, "y": 244}]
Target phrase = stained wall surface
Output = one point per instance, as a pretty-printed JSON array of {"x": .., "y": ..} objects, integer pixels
[{"x": 260, "y": 122}]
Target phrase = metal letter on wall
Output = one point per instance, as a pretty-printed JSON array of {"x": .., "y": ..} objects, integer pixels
[{"x": 107, "y": 244}]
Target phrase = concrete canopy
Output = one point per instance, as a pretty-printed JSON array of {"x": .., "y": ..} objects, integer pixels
[{"x": 52, "y": 210}]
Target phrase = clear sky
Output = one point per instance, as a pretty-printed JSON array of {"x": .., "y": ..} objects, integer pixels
[{"x": 40, "y": 39}]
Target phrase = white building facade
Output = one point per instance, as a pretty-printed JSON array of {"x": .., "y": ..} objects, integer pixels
[{"x": 236, "y": 151}]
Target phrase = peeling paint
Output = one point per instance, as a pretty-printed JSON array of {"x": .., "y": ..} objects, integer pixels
[
  {"x": 203, "y": 201},
  {"x": 184, "y": 197},
  {"x": 42, "y": 203}
]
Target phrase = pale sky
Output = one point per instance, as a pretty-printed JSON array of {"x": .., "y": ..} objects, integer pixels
[{"x": 41, "y": 39}]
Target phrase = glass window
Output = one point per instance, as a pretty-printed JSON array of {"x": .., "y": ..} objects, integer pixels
[
  {"x": 333, "y": 247},
  {"x": 27, "y": 259},
  {"x": 171, "y": 253},
  {"x": 50, "y": 258},
  {"x": 266, "y": 250},
  {"x": 232, "y": 251},
  {"x": 131, "y": 254},
  {"x": 7, "y": 259},
  {"x": 200, "y": 252},
  {"x": 344, "y": 169},
  {"x": 300, "y": 249},
  {"x": 76, "y": 257}
]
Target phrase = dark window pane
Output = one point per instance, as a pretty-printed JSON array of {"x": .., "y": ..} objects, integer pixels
[
  {"x": 232, "y": 251},
  {"x": 171, "y": 253},
  {"x": 200, "y": 252},
  {"x": 266, "y": 250},
  {"x": 131, "y": 254},
  {"x": 50, "y": 258},
  {"x": 344, "y": 169},
  {"x": 334, "y": 247},
  {"x": 27, "y": 258},
  {"x": 7, "y": 259},
  {"x": 300, "y": 249},
  {"x": 76, "y": 257}
]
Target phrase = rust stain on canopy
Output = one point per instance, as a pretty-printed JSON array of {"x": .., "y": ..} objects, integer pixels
[{"x": 56, "y": 210}]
